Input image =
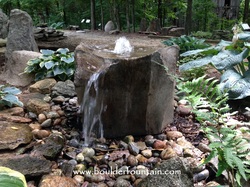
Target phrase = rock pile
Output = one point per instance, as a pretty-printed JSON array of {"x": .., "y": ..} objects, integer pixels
[
  {"x": 55, "y": 148},
  {"x": 48, "y": 34}
]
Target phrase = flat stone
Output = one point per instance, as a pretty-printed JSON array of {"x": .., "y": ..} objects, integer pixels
[
  {"x": 43, "y": 86},
  {"x": 38, "y": 106},
  {"x": 14, "y": 134},
  {"x": 51, "y": 148},
  {"x": 28, "y": 165},
  {"x": 53, "y": 180}
]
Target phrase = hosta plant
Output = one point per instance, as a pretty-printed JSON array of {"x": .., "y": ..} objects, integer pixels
[
  {"x": 11, "y": 178},
  {"x": 231, "y": 59},
  {"x": 8, "y": 96},
  {"x": 59, "y": 64}
]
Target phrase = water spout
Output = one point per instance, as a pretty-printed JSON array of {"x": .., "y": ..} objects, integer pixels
[{"x": 123, "y": 46}]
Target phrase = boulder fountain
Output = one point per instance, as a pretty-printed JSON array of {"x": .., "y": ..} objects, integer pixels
[{"x": 125, "y": 90}]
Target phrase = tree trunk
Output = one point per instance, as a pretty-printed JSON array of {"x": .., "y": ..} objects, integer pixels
[
  {"x": 127, "y": 15},
  {"x": 160, "y": 11},
  {"x": 102, "y": 16},
  {"x": 133, "y": 14},
  {"x": 246, "y": 10},
  {"x": 188, "y": 25},
  {"x": 93, "y": 25}
]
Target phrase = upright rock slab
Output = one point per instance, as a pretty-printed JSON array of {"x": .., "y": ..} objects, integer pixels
[
  {"x": 133, "y": 94},
  {"x": 3, "y": 24},
  {"x": 20, "y": 37}
]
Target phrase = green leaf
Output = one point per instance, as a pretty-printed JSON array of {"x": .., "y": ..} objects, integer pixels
[
  {"x": 222, "y": 166},
  {"x": 11, "y": 90},
  {"x": 11, "y": 178},
  {"x": 12, "y": 99},
  {"x": 39, "y": 76},
  {"x": 49, "y": 64},
  {"x": 62, "y": 51},
  {"x": 68, "y": 59},
  {"x": 33, "y": 61},
  {"x": 58, "y": 70},
  {"x": 212, "y": 154},
  {"x": 47, "y": 52}
]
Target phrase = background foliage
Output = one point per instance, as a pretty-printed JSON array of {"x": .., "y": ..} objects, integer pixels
[{"x": 126, "y": 14}]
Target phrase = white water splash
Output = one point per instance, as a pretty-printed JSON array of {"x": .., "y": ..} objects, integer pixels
[
  {"x": 91, "y": 108},
  {"x": 123, "y": 46}
]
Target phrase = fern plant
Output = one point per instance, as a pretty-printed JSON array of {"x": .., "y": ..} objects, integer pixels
[
  {"x": 204, "y": 93},
  {"x": 232, "y": 149},
  {"x": 229, "y": 144}
]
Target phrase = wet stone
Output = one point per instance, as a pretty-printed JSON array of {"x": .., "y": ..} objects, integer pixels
[
  {"x": 147, "y": 153},
  {"x": 204, "y": 148},
  {"x": 173, "y": 135},
  {"x": 158, "y": 144},
  {"x": 133, "y": 149},
  {"x": 41, "y": 118},
  {"x": 128, "y": 139},
  {"x": 14, "y": 134},
  {"x": 161, "y": 137},
  {"x": 53, "y": 180}
]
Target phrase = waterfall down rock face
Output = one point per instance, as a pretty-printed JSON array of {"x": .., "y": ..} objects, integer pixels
[{"x": 127, "y": 94}]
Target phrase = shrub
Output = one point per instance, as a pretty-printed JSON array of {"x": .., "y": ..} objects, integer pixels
[
  {"x": 58, "y": 64},
  {"x": 187, "y": 43}
]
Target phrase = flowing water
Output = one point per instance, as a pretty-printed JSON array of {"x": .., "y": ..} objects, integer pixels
[{"x": 92, "y": 105}]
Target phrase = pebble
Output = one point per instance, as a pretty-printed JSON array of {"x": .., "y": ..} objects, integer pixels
[
  {"x": 58, "y": 99},
  {"x": 122, "y": 183},
  {"x": 88, "y": 152},
  {"x": 184, "y": 143},
  {"x": 161, "y": 136},
  {"x": 147, "y": 153},
  {"x": 79, "y": 157},
  {"x": 41, "y": 118},
  {"x": 73, "y": 143},
  {"x": 201, "y": 176},
  {"x": 128, "y": 139},
  {"x": 57, "y": 121},
  {"x": 40, "y": 134},
  {"x": 133, "y": 149},
  {"x": 46, "y": 123},
  {"x": 52, "y": 115},
  {"x": 141, "y": 159},
  {"x": 141, "y": 172},
  {"x": 173, "y": 135},
  {"x": 204, "y": 148},
  {"x": 132, "y": 160},
  {"x": 158, "y": 144},
  {"x": 32, "y": 115},
  {"x": 79, "y": 178},
  {"x": 168, "y": 153},
  {"x": 184, "y": 110},
  {"x": 188, "y": 152},
  {"x": 34, "y": 126}
]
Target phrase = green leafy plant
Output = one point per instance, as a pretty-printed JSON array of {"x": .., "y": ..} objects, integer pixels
[
  {"x": 207, "y": 101},
  {"x": 231, "y": 146},
  {"x": 8, "y": 96},
  {"x": 11, "y": 178},
  {"x": 57, "y": 25},
  {"x": 202, "y": 34},
  {"x": 58, "y": 64},
  {"x": 231, "y": 59},
  {"x": 187, "y": 43}
]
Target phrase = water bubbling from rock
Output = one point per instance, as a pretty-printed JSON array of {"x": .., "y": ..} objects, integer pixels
[{"x": 123, "y": 46}]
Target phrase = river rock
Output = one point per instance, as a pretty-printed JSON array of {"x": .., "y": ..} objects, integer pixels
[
  {"x": 138, "y": 106},
  {"x": 51, "y": 148},
  {"x": 66, "y": 89},
  {"x": 43, "y": 86},
  {"x": 53, "y": 180},
  {"x": 28, "y": 165},
  {"x": 177, "y": 174},
  {"x": 38, "y": 106},
  {"x": 122, "y": 183},
  {"x": 173, "y": 135},
  {"x": 14, "y": 134},
  {"x": 132, "y": 161}
]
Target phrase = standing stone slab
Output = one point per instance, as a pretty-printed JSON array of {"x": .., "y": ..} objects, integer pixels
[
  {"x": 3, "y": 24},
  {"x": 136, "y": 93},
  {"x": 20, "y": 37}
]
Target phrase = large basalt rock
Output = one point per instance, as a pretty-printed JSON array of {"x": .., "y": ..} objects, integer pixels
[
  {"x": 135, "y": 93},
  {"x": 20, "y": 37}
]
